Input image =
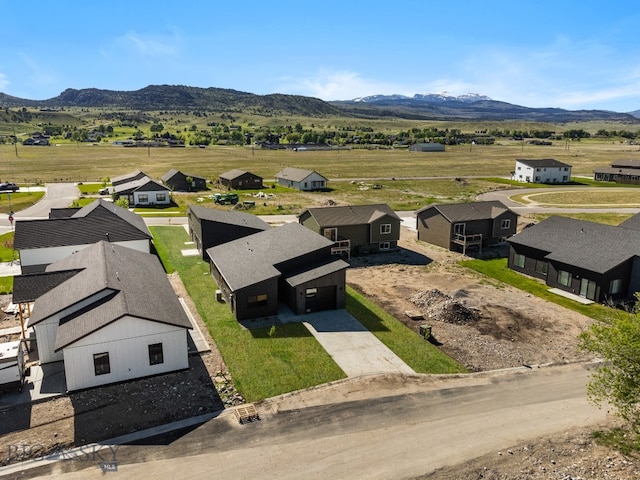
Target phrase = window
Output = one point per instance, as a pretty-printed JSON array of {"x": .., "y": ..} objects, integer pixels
[
  {"x": 542, "y": 267},
  {"x": 459, "y": 228},
  {"x": 331, "y": 234},
  {"x": 506, "y": 223},
  {"x": 565, "y": 178},
  {"x": 385, "y": 228},
  {"x": 101, "y": 365},
  {"x": 588, "y": 288},
  {"x": 537, "y": 179},
  {"x": 384, "y": 245},
  {"x": 564, "y": 278},
  {"x": 615, "y": 286},
  {"x": 143, "y": 198},
  {"x": 502, "y": 240},
  {"x": 257, "y": 300},
  {"x": 311, "y": 292},
  {"x": 518, "y": 260},
  {"x": 155, "y": 354},
  {"x": 161, "y": 197}
]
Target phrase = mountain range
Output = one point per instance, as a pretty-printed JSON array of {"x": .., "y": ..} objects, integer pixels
[{"x": 469, "y": 107}]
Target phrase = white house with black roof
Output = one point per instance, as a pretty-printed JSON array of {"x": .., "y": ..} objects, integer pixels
[
  {"x": 109, "y": 313},
  {"x": 289, "y": 264},
  {"x": 592, "y": 260},
  {"x": 44, "y": 241},
  {"x": 143, "y": 192},
  {"x": 546, "y": 170}
]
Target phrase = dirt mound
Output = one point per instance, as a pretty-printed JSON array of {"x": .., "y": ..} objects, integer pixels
[{"x": 440, "y": 306}]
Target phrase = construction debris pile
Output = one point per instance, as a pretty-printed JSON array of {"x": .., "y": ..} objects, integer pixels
[{"x": 439, "y": 306}]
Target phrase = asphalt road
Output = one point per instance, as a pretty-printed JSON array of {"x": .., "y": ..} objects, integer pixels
[{"x": 390, "y": 437}]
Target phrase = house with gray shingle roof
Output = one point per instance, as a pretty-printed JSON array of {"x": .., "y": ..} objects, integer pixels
[
  {"x": 458, "y": 226},
  {"x": 301, "y": 179},
  {"x": 143, "y": 192},
  {"x": 289, "y": 264},
  {"x": 592, "y": 260},
  {"x": 620, "y": 171},
  {"x": 356, "y": 228},
  {"x": 109, "y": 313},
  {"x": 128, "y": 177},
  {"x": 239, "y": 180},
  {"x": 209, "y": 227},
  {"x": 44, "y": 241},
  {"x": 183, "y": 182},
  {"x": 546, "y": 170}
]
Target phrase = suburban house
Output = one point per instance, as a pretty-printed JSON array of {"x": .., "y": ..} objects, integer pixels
[
  {"x": 355, "y": 228},
  {"x": 109, "y": 313},
  {"x": 239, "y": 180},
  {"x": 621, "y": 171},
  {"x": 128, "y": 177},
  {"x": 546, "y": 170},
  {"x": 288, "y": 264},
  {"x": 426, "y": 147},
  {"x": 458, "y": 226},
  {"x": 183, "y": 182},
  {"x": 301, "y": 179},
  {"x": 591, "y": 260},
  {"x": 44, "y": 241},
  {"x": 143, "y": 192},
  {"x": 209, "y": 227}
]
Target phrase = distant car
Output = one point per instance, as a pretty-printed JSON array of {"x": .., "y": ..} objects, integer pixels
[
  {"x": 103, "y": 191},
  {"x": 8, "y": 187}
]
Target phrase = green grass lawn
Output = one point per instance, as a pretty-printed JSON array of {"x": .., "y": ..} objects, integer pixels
[
  {"x": 266, "y": 362},
  {"x": 18, "y": 201},
  {"x": 497, "y": 270}
]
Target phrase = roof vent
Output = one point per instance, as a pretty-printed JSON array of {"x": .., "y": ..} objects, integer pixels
[{"x": 117, "y": 276}]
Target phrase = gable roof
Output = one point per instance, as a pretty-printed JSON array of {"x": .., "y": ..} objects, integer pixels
[
  {"x": 466, "y": 212},
  {"x": 62, "y": 212},
  {"x": 626, "y": 163},
  {"x": 350, "y": 214},
  {"x": 88, "y": 225},
  {"x": 543, "y": 162},
  {"x": 240, "y": 219},
  {"x": 144, "y": 184},
  {"x": 235, "y": 173},
  {"x": 117, "y": 281},
  {"x": 296, "y": 174},
  {"x": 588, "y": 245},
  {"x": 173, "y": 172},
  {"x": 254, "y": 258},
  {"x": 26, "y": 288},
  {"x": 127, "y": 177},
  {"x": 632, "y": 222}
]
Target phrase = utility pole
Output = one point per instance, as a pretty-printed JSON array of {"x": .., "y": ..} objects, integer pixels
[{"x": 15, "y": 142}]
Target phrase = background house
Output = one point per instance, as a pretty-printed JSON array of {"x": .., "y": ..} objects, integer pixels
[
  {"x": 426, "y": 147},
  {"x": 546, "y": 170},
  {"x": 621, "y": 171},
  {"x": 143, "y": 192},
  {"x": 44, "y": 241},
  {"x": 301, "y": 179},
  {"x": 595, "y": 261},
  {"x": 357, "y": 228},
  {"x": 288, "y": 264},
  {"x": 458, "y": 226},
  {"x": 109, "y": 313},
  {"x": 209, "y": 227},
  {"x": 239, "y": 179},
  {"x": 128, "y": 177},
  {"x": 183, "y": 182}
]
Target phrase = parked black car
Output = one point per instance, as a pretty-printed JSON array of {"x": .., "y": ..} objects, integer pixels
[{"x": 8, "y": 187}]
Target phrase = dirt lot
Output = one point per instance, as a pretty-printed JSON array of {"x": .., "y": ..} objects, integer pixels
[{"x": 483, "y": 325}]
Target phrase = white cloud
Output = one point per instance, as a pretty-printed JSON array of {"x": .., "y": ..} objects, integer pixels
[{"x": 150, "y": 45}]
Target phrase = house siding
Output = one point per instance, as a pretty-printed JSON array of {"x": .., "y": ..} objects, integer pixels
[
  {"x": 331, "y": 293},
  {"x": 434, "y": 228},
  {"x": 240, "y": 301},
  {"x": 126, "y": 341},
  {"x": 245, "y": 181}
]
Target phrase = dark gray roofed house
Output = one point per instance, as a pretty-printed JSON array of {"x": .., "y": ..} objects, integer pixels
[
  {"x": 633, "y": 222},
  {"x": 426, "y": 147},
  {"x": 41, "y": 242},
  {"x": 110, "y": 314},
  {"x": 288, "y": 264},
  {"x": 546, "y": 170},
  {"x": 143, "y": 192},
  {"x": 128, "y": 177},
  {"x": 183, "y": 182},
  {"x": 355, "y": 228},
  {"x": 621, "y": 171},
  {"x": 301, "y": 179},
  {"x": 209, "y": 227},
  {"x": 592, "y": 260},
  {"x": 239, "y": 180},
  {"x": 458, "y": 226}
]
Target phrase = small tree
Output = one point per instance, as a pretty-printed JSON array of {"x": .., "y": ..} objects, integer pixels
[
  {"x": 617, "y": 381},
  {"x": 122, "y": 202}
]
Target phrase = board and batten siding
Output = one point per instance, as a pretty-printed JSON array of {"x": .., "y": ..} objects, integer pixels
[
  {"x": 46, "y": 256},
  {"x": 127, "y": 342}
]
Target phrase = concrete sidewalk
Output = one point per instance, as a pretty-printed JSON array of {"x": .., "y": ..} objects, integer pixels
[{"x": 10, "y": 269}]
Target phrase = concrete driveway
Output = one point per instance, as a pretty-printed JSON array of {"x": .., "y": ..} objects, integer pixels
[{"x": 354, "y": 348}]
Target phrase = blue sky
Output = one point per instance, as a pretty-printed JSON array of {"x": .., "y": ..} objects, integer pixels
[{"x": 567, "y": 54}]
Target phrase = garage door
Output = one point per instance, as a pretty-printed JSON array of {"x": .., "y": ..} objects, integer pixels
[{"x": 321, "y": 298}]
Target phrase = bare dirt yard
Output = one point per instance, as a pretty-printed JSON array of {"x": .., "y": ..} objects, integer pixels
[{"x": 482, "y": 324}]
